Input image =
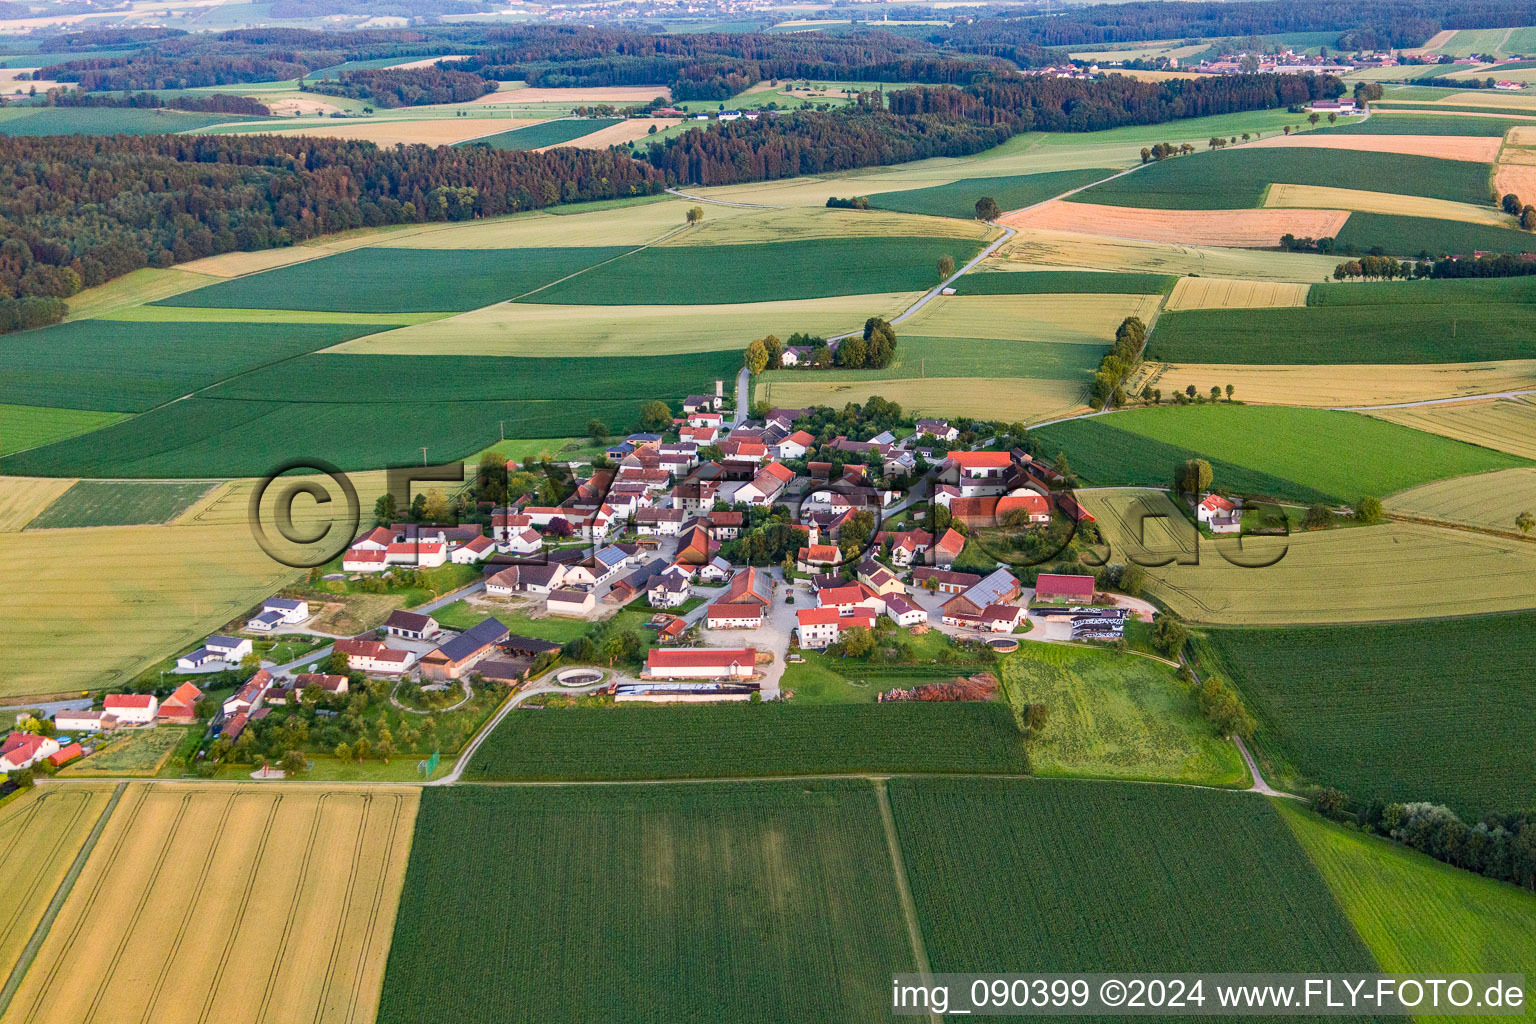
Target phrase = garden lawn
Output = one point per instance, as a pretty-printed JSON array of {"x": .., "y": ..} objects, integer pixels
[
  {"x": 31, "y": 426},
  {"x": 1435, "y": 710},
  {"x": 774, "y": 902},
  {"x": 119, "y": 503},
  {"x": 1116, "y": 715},
  {"x": 762, "y": 272},
  {"x": 383, "y": 280},
  {"x": 1400, "y": 235},
  {"x": 547, "y": 133},
  {"x": 140, "y": 752},
  {"x": 1110, "y": 876},
  {"x": 462, "y": 615},
  {"x": 1236, "y": 179},
  {"x": 111, "y": 366},
  {"x": 1416, "y": 914},
  {"x": 1275, "y": 451},
  {"x": 1058, "y": 281},
  {"x": 1011, "y": 192},
  {"x": 1410, "y": 332},
  {"x": 703, "y": 741}
]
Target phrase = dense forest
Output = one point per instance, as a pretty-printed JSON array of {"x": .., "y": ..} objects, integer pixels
[
  {"x": 1078, "y": 105},
  {"x": 405, "y": 87},
  {"x": 208, "y": 103}
]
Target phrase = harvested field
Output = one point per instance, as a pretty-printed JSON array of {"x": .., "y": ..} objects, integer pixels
[
  {"x": 1315, "y": 197},
  {"x": 1011, "y": 398},
  {"x": 409, "y": 132},
  {"x": 1350, "y": 384},
  {"x": 295, "y": 106},
  {"x": 1083, "y": 317},
  {"x": 615, "y": 94},
  {"x": 1363, "y": 574},
  {"x": 1035, "y": 248},
  {"x": 149, "y": 591},
  {"x": 629, "y": 129},
  {"x": 789, "y": 886},
  {"x": 44, "y": 832},
  {"x": 727, "y": 226},
  {"x": 189, "y": 910},
  {"x": 1507, "y": 424},
  {"x": 1490, "y": 500},
  {"x": 119, "y": 503},
  {"x": 1260, "y": 228},
  {"x": 1226, "y": 293},
  {"x": 1116, "y": 716},
  {"x": 1517, "y": 178},
  {"x": 524, "y": 329},
  {"x": 21, "y": 498},
  {"x": 1112, "y": 876},
  {"x": 1443, "y": 147},
  {"x": 29, "y": 426},
  {"x": 143, "y": 285}
]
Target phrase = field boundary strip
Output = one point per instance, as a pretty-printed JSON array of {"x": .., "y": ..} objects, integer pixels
[
  {"x": 40, "y": 933},
  {"x": 904, "y": 888}
]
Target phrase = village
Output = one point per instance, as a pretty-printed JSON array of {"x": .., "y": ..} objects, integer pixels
[{"x": 748, "y": 545}]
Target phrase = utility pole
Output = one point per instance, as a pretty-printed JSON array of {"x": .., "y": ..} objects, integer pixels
[{"x": 423, "y": 455}]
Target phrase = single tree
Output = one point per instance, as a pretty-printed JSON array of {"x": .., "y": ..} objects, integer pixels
[
  {"x": 986, "y": 207},
  {"x": 1190, "y": 391},
  {"x": 1512, "y": 204},
  {"x": 695, "y": 214},
  {"x": 597, "y": 430},
  {"x": 384, "y": 511},
  {"x": 1333, "y": 118},
  {"x": 1194, "y": 476},
  {"x": 757, "y": 357},
  {"x": 293, "y": 763},
  {"x": 1215, "y": 393},
  {"x": 1318, "y": 517},
  {"x": 1525, "y": 522},
  {"x": 655, "y": 414},
  {"x": 1528, "y": 218},
  {"x": 1368, "y": 510},
  {"x": 1313, "y": 118},
  {"x": 1230, "y": 390},
  {"x": 437, "y": 507},
  {"x": 946, "y": 266}
]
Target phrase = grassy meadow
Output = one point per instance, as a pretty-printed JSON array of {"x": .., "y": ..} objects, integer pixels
[
  {"x": 1431, "y": 710},
  {"x": 119, "y": 503},
  {"x": 1116, "y": 716},
  {"x": 1010, "y": 192},
  {"x": 704, "y": 741},
  {"x": 787, "y": 889},
  {"x": 32, "y": 426},
  {"x": 1110, "y": 876}
]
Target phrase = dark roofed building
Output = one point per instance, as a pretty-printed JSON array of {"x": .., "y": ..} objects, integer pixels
[
  {"x": 410, "y": 625},
  {"x": 449, "y": 660}
]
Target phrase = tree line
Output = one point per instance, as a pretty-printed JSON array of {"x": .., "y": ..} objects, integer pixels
[
  {"x": 404, "y": 87},
  {"x": 209, "y": 103}
]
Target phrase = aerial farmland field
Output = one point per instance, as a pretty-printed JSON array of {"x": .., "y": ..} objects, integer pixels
[
  {"x": 1192, "y": 879},
  {"x": 119, "y": 503},
  {"x": 1507, "y": 424},
  {"x": 222, "y": 917},
  {"x": 1368, "y": 708},
  {"x": 1493, "y": 501}
]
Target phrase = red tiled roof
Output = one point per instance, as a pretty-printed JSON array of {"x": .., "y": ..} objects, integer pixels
[
  {"x": 981, "y": 460},
  {"x": 1053, "y": 584},
  {"x": 735, "y": 611},
  {"x": 951, "y": 543},
  {"x": 364, "y": 555},
  {"x": 816, "y": 616},
  {"x": 127, "y": 700},
  {"x": 700, "y": 658},
  {"x": 184, "y": 695},
  {"x": 834, "y": 596},
  {"x": 820, "y": 553}
]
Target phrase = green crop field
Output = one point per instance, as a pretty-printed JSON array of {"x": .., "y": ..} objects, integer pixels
[
  {"x": 1116, "y": 715},
  {"x": 1479, "y": 291},
  {"x": 1400, "y": 235},
  {"x": 1113, "y": 876},
  {"x": 383, "y": 280},
  {"x": 1447, "y": 332},
  {"x": 697, "y": 741},
  {"x": 1236, "y": 179},
  {"x": 1303, "y": 454},
  {"x": 546, "y": 133},
  {"x": 128, "y": 367},
  {"x": 1415, "y": 914},
  {"x": 107, "y": 121},
  {"x": 1427, "y": 124},
  {"x": 1437, "y": 710},
  {"x": 118, "y": 503},
  {"x": 1059, "y": 281},
  {"x": 763, "y": 901},
  {"x": 967, "y": 357},
  {"x": 31, "y": 426},
  {"x": 762, "y": 272},
  {"x": 1011, "y": 192},
  {"x": 204, "y": 437}
]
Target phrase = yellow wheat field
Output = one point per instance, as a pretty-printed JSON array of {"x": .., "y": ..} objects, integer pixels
[
  {"x": 1346, "y": 385},
  {"x": 1508, "y": 424},
  {"x": 1446, "y": 147},
  {"x": 1261, "y": 228},
  {"x": 1516, "y": 155},
  {"x": 228, "y": 903},
  {"x": 1517, "y": 178},
  {"x": 1074, "y": 317},
  {"x": 1228, "y": 293},
  {"x": 528, "y": 329},
  {"x": 1360, "y": 574},
  {"x": 1000, "y": 398},
  {"x": 1324, "y": 197},
  {"x": 1064, "y": 249},
  {"x": 43, "y": 831},
  {"x": 23, "y": 497},
  {"x": 149, "y": 592},
  {"x": 408, "y": 132},
  {"x": 1491, "y": 500}
]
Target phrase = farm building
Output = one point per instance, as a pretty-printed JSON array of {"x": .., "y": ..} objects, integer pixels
[
  {"x": 668, "y": 590},
  {"x": 750, "y": 586},
  {"x": 936, "y": 428},
  {"x": 570, "y": 602},
  {"x": 278, "y": 611},
  {"x": 701, "y": 663},
  {"x": 24, "y": 749},
  {"x": 329, "y": 682},
  {"x": 848, "y": 598},
  {"x": 879, "y": 579},
  {"x": 1061, "y": 588},
  {"x": 131, "y": 708},
  {"x": 476, "y": 550},
  {"x": 683, "y": 693},
  {"x": 181, "y": 705},
  {"x": 410, "y": 625},
  {"x": 948, "y": 548},
  {"x": 453, "y": 657},
  {"x": 65, "y": 754},
  {"x": 83, "y": 721},
  {"x": 250, "y": 696},
  {"x": 819, "y": 627},
  {"x": 526, "y": 579},
  {"x": 817, "y": 557},
  {"x": 944, "y": 581},
  {"x": 374, "y": 657},
  {"x": 998, "y": 588},
  {"x": 903, "y": 612},
  {"x": 228, "y": 649},
  {"x": 747, "y": 615}
]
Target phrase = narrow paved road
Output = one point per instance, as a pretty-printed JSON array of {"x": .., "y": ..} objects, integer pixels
[
  {"x": 547, "y": 686},
  {"x": 1259, "y": 785},
  {"x": 743, "y": 396},
  {"x": 722, "y": 202}
]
